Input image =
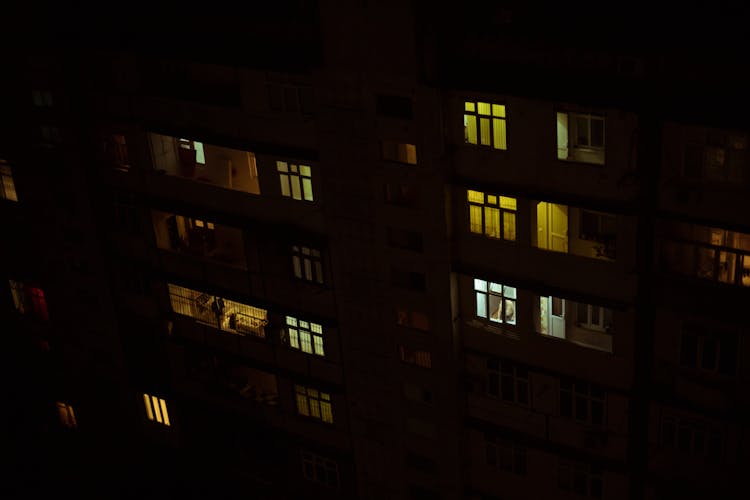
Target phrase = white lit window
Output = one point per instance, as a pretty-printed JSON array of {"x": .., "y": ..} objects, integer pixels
[
  {"x": 307, "y": 264},
  {"x": 320, "y": 470},
  {"x": 313, "y": 403},
  {"x": 495, "y": 302},
  {"x": 304, "y": 336},
  {"x": 580, "y": 137},
  {"x": 7, "y": 186},
  {"x": 492, "y": 215},
  {"x": 67, "y": 415},
  {"x": 200, "y": 155},
  {"x": 295, "y": 180},
  {"x": 156, "y": 409},
  {"x": 485, "y": 124}
]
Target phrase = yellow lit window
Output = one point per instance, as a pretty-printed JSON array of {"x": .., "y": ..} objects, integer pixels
[
  {"x": 67, "y": 415},
  {"x": 399, "y": 152},
  {"x": 7, "y": 186},
  {"x": 313, "y": 403},
  {"x": 492, "y": 215},
  {"x": 156, "y": 409},
  {"x": 485, "y": 124},
  {"x": 295, "y": 180}
]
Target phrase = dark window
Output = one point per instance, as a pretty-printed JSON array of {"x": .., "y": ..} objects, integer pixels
[
  {"x": 508, "y": 381},
  {"x": 420, "y": 463},
  {"x": 582, "y": 401},
  {"x": 406, "y": 240},
  {"x": 394, "y": 106},
  {"x": 708, "y": 351},
  {"x": 402, "y": 195},
  {"x": 410, "y": 280}
]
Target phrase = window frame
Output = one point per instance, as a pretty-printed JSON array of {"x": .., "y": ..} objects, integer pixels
[
  {"x": 313, "y": 403},
  {"x": 156, "y": 409},
  {"x": 316, "y": 463},
  {"x": 8, "y": 189},
  {"x": 486, "y": 292},
  {"x": 569, "y": 388},
  {"x": 500, "y": 214},
  {"x": 497, "y": 124},
  {"x": 302, "y": 335},
  {"x": 506, "y": 376},
  {"x": 307, "y": 264},
  {"x": 295, "y": 180}
]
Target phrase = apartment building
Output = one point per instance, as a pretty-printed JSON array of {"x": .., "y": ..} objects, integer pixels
[{"x": 474, "y": 262}]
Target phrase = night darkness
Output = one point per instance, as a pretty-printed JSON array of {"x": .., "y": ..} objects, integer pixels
[{"x": 375, "y": 250}]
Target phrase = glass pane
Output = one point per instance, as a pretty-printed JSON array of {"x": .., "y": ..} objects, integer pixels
[
  {"x": 597, "y": 132},
  {"x": 496, "y": 312},
  {"x": 507, "y": 203},
  {"x": 509, "y": 226},
  {"x": 492, "y": 222},
  {"x": 484, "y": 108},
  {"x": 307, "y": 189},
  {"x": 481, "y": 305},
  {"x": 475, "y": 219},
  {"x": 509, "y": 292},
  {"x": 475, "y": 196},
  {"x": 284, "y": 181},
  {"x": 470, "y": 129},
  {"x": 499, "y": 139},
  {"x": 469, "y": 106},
  {"x": 281, "y": 166},
  {"x": 498, "y": 110},
  {"x": 484, "y": 130},
  {"x": 582, "y": 131},
  {"x": 296, "y": 190},
  {"x": 304, "y": 170},
  {"x": 496, "y": 288},
  {"x": 510, "y": 311},
  {"x": 708, "y": 358},
  {"x": 480, "y": 285}
]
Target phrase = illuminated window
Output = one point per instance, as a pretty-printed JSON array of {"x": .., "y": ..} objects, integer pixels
[
  {"x": 29, "y": 300},
  {"x": 320, "y": 469},
  {"x": 412, "y": 319},
  {"x": 7, "y": 186},
  {"x": 504, "y": 455},
  {"x": 399, "y": 152},
  {"x": 691, "y": 437},
  {"x": 587, "y": 325},
  {"x": 296, "y": 180},
  {"x": 580, "y": 137},
  {"x": 707, "y": 253},
  {"x": 41, "y": 98},
  {"x": 226, "y": 314},
  {"x": 313, "y": 403},
  {"x": 708, "y": 350},
  {"x": 495, "y": 302},
  {"x": 156, "y": 409},
  {"x": 582, "y": 401},
  {"x": 507, "y": 381},
  {"x": 582, "y": 479},
  {"x": 415, "y": 357},
  {"x": 67, "y": 415},
  {"x": 485, "y": 124},
  {"x": 304, "y": 336},
  {"x": 307, "y": 264},
  {"x": 189, "y": 145},
  {"x": 492, "y": 215}
]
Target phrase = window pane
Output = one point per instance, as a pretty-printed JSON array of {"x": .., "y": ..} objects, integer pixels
[
  {"x": 470, "y": 129},
  {"x": 296, "y": 190},
  {"x": 284, "y": 181},
  {"x": 469, "y": 106},
  {"x": 475, "y": 196},
  {"x": 509, "y": 292},
  {"x": 597, "y": 132},
  {"x": 481, "y": 305},
  {"x": 498, "y": 131},
  {"x": 510, "y": 311},
  {"x": 509, "y": 226},
  {"x": 496, "y": 311},
  {"x": 582, "y": 131},
  {"x": 689, "y": 350},
  {"x": 307, "y": 189},
  {"x": 480, "y": 285},
  {"x": 508, "y": 203},
  {"x": 498, "y": 110},
  {"x": 708, "y": 359},
  {"x": 475, "y": 219},
  {"x": 484, "y": 129},
  {"x": 484, "y": 108},
  {"x": 492, "y": 222}
]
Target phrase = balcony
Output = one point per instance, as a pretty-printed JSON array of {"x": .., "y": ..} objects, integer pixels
[
  {"x": 224, "y": 314},
  {"x": 205, "y": 163},
  {"x": 591, "y": 234},
  {"x": 199, "y": 238},
  {"x": 706, "y": 253}
]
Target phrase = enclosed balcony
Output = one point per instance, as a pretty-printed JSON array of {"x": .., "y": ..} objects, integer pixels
[
  {"x": 199, "y": 238},
  {"x": 590, "y": 234},
  {"x": 216, "y": 165}
]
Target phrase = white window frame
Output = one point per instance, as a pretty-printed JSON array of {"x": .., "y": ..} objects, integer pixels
[
  {"x": 485, "y": 292},
  {"x": 312, "y": 464},
  {"x": 304, "y": 336},
  {"x": 313, "y": 403}
]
